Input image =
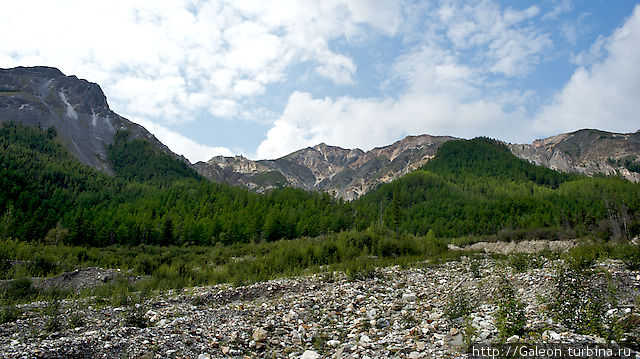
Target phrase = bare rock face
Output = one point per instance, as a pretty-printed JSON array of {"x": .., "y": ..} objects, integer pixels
[
  {"x": 78, "y": 109},
  {"x": 344, "y": 173},
  {"x": 590, "y": 152}
]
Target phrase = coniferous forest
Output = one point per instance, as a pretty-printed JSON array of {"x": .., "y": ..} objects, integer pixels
[{"x": 474, "y": 187}]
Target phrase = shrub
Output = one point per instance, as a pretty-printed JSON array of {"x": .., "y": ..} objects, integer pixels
[
  {"x": 580, "y": 301},
  {"x": 583, "y": 257},
  {"x": 134, "y": 317},
  {"x": 19, "y": 289},
  {"x": 510, "y": 316},
  {"x": 53, "y": 323},
  {"x": 76, "y": 320},
  {"x": 41, "y": 266},
  {"x": 458, "y": 306},
  {"x": 519, "y": 261},
  {"x": 630, "y": 255},
  {"x": 9, "y": 314},
  {"x": 474, "y": 268}
]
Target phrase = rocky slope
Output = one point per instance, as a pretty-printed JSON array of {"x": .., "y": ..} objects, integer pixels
[
  {"x": 344, "y": 173},
  {"x": 586, "y": 151},
  {"x": 78, "y": 109},
  {"x": 394, "y": 313}
]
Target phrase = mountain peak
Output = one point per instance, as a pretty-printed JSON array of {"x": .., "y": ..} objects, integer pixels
[{"x": 78, "y": 109}]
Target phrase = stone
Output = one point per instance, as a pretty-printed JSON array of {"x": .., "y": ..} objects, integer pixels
[
  {"x": 309, "y": 354},
  {"x": 204, "y": 356},
  {"x": 414, "y": 355},
  {"x": 333, "y": 343},
  {"x": 409, "y": 297},
  {"x": 259, "y": 335}
]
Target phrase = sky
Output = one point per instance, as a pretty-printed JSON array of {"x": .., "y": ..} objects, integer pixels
[{"x": 265, "y": 78}]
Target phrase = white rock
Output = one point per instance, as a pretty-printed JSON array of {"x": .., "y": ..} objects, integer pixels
[
  {"x": 414, "y": 355},
  {"x": 204, "y": 356},
  {"x": 410, "y": 297},
  {"x": 333, "y": 343},
  {"x": 309, "y": 354},
  {"x": 259, "y": 335},
  {"x": 554, "y": 336}
]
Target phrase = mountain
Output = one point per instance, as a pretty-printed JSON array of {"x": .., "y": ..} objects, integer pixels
[
  {"x": 344, "y": 173},
  {"x": 76, "y": 108},
  {"x": 590, "y": 152},
  {"x": 350, "y": 173}
]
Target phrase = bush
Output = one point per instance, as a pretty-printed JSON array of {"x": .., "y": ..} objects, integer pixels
[
  {"x": 630, "y": 255},
  {"x": 19, "y": 289},
  {"x": 41, "y": 266},
  {"x": 76, "y": 320},
  {"x": 134, "y": 317},
  {"x": 519, "y": 261},
  {"x": 580, "y": 301},
  {"x": 510, "y": 317},
  {"x": 8, "y": 314},
  {"x": 53, "y": 323},
  {"x": 583, "y": 257},
  {"x": 458, "y": 306}
]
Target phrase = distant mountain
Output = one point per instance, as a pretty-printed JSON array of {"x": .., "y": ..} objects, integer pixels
[
  {"x": 344, "y": 173},
  {"x": 350, "y": 173},
  {"x": 590, "y": 152},
  {"x": 78, "y": 109}
]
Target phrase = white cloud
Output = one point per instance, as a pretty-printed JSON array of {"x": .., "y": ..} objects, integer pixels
[
  {"x": 366, "y": 123},
  {"x": 171, "y": 60},
  {"x": 498, "y": 37},
  {"x": 182, "y": 145},
  {"x": 604, "y": 95}
]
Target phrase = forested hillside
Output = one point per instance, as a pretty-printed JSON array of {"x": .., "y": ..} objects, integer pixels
[
  {"x": 478, "y": 187},
  {"x": 47, "y": 195},
  {"x": 474, "y": 187}
]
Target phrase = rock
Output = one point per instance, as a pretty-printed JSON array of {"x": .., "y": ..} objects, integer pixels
[
  {"x": 409, "y": 297},
  {"x": 456, "y": 342},
  {"x": 420, "y": 346},
  {"x": 333, "y": 343},
  {"x": 453, "y": 331},
  {"x": 224, "y": 350},
  {"x": 259, "y": 335},
  {"x": 309, "y": 354},
  {"x": 233, "y": 336},
  {"x": 414, "y": 355},
  {"x": 204, "y": 356}
]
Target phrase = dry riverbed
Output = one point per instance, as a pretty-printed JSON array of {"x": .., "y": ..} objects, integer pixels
[{"x": 393, "y": 312}]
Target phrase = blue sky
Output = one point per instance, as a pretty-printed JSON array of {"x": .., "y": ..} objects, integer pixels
[{"x": 265, "y": 78}]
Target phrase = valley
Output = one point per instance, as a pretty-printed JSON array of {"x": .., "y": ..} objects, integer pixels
[{"x": 113, "y": 245}]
